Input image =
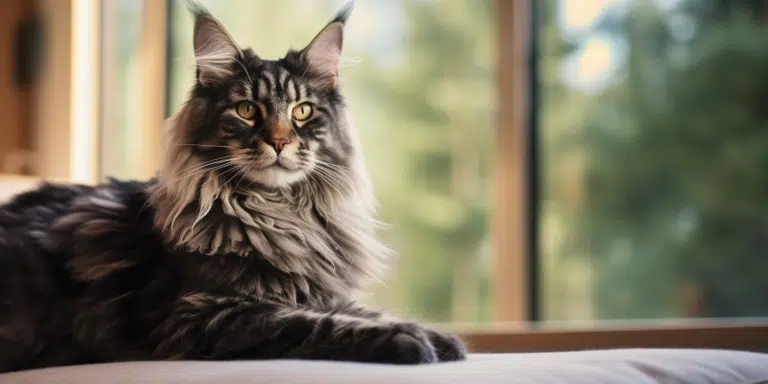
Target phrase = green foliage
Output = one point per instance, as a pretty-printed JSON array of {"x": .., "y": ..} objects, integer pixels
[
  {"x": 443, "y": 98},
  {"x": 677, "y": 193}
]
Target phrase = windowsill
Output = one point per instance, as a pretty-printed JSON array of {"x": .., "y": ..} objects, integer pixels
[{"x": 739, "y": 334}]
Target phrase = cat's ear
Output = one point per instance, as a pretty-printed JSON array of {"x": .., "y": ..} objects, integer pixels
[
  {"x": 322, "y": 55},
  {"x": 215, "y": 49}
]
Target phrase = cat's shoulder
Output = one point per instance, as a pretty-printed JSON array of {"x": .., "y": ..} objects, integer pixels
[
  {"x": 44, "y": 194},
  {"x": 58, "y": 194},
  {"x": 114, "y": 206},
  {"x": 109, "y": 228},
  {"x": 98, "y": 229}
]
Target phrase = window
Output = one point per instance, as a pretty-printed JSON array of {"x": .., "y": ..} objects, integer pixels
[{"x": 653, "y": 138}]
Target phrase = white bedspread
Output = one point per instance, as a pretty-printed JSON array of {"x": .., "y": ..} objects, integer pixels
[{"x": 627, "y": 366}]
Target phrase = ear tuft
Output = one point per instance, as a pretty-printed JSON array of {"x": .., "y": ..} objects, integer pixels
[
  {"x": 343, "y": 13},
  {"x": 322, "y": 55},
  {"x": 215, "y": 49}
]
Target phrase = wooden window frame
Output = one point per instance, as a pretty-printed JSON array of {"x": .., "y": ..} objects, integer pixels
[
  {"x": 154, "y": 92},
  {"x": 514, "y": 280},
  {"x": 705, "y": 334},
  {"x": 510, "y": 225},
  {"x": 67, "y": 136}
]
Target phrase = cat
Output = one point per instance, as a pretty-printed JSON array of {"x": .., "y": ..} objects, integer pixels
[{"x": 254, "y": 241}]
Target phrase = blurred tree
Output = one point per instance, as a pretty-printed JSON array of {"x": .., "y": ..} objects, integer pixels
[
  {"x": 566, "y": 277},
  {"x": 445, "y": 100},
  {"x": 676, "y": 216}
]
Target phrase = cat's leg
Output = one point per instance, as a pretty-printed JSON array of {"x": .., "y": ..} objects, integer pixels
[
  {"x": 207, "y": 326},
  {"x": 447, "y": 346}
]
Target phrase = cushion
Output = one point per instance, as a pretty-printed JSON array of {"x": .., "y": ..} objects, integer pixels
[{"x": 625, "y": 366}]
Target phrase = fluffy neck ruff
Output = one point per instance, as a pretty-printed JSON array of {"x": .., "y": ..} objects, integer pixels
[{"x": 313, "y": 230}]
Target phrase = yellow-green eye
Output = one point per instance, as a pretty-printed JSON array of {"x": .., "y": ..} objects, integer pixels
[
  {"x": 302, "y": 111},
  {"x": 246, "y": 110}
]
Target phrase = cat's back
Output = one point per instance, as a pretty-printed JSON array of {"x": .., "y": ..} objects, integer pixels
[
  {"x": 26, "y": 241},
  {"x": 62, "y": 249},
  {"x": 57, "y": 225},
  {"x": 36, "y": 209},
  {"x": 39, "y": 218},
  {"x": 44, "y": 231}
]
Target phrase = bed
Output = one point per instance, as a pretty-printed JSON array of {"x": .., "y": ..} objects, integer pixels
[{"x": 626, "y": 366}]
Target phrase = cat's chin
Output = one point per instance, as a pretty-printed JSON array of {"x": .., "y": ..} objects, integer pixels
[{"x": 275, "y": 176}]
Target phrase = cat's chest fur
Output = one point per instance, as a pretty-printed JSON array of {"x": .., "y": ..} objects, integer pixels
[
  {"x": 267, "y": 247},
  {"x": 254, "y": 278}
]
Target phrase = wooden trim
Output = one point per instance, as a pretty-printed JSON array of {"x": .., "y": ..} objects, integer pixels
[
  {"x": 66, "y": 134},
  {"x": 109, "y": 114},
  {"x": 748, "y": 336},
  {"x": 510, "y": 211},
  {"x": 85, "y": 108},
  {"x": 52, "y": 128},
  {"x": 153, "y": 50},
  {"x": 16, "y": 99}
]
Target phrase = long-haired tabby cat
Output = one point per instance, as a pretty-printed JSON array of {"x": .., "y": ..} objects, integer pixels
[{"x": 253, "y": 242}]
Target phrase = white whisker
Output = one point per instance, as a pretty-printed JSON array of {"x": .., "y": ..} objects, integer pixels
[
  {"x": 202, "y": 145},
  {"x": 245, "y": 173}
]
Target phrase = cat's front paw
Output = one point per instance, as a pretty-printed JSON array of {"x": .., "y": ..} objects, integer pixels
[
  {"x": 448, "y": 347},
  {"x": 406, "y": 344}
]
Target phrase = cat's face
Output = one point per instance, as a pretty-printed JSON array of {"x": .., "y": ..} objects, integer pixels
[{"x": 270, "y": 122}]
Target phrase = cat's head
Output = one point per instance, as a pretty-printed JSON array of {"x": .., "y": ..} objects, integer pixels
[
  {"x": 263, "y": 159},
  {"x": 263, "y": 122}
]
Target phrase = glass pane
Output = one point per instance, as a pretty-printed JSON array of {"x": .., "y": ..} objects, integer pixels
[
  {"x": 420, "y": 83},
  {"x": 121, "y": 88},
  {"x": 654, "y": 138}
]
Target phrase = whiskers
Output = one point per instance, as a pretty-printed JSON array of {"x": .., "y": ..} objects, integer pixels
[
  {"x": 202, "y": 146},
  {"x": 332, "y": 175},
  {"x": 238, "y": 170},
  {"x": 242, "y": 176},
  {"x": 209, "y": 167},
  {"x": 346, "y": 62},
  {"x": 198, "y": 172}
]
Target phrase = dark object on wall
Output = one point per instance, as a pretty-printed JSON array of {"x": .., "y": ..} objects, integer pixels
[{"x": 28, "y": 51}]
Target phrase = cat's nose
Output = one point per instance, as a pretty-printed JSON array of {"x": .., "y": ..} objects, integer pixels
[{"x": 279, "y": 142}]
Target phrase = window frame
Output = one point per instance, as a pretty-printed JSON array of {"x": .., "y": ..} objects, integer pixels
[
  {"x": 688, "y": 333},
  {"x": 74, "y": 38},
  {"x": 511, "y": 227},
  {"x": 516, "y": 309}
]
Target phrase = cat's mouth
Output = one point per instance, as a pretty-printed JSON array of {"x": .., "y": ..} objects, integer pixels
[
  {"x": 284, "y": 164},
  {"x": 278, "y": 173}
]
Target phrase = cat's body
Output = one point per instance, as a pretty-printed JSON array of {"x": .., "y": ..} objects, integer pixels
[{"x": 254, "y": 241}]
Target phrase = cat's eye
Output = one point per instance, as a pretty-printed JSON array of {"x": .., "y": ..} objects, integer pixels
[
  {"x": 302, "y": 111},
  {"x": 246, "y": 110}
]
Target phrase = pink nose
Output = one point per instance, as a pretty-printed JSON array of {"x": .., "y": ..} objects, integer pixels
[{"x": 278, "y": 143}]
